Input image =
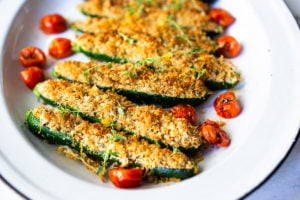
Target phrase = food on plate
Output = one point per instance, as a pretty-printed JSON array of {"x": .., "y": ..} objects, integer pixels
[
  {"x": 213, "y": 134},
  {"x": 111, "y": 115},
  {"x": 167, "y": 32},
  {"x": 147, "y": 121},
  {"x": 184, "y": 111},
  {"x": 185, "y": 13},
  {"x": 126, "y": 178},
  {"x": 138, "y": 83},
  {"x": 32, "y": 56},
  {"x": 217, "y": 73},
  {"x": 60, "y": 48},
  {"x": 53, "y": 23},
  {"x": 229, "y": 46},
  {"x": 227, "y": 106},
  {"x": 31, "y": 76},
  {"x": 108, "y": 145},
  {"x": 221, "y": 17}
]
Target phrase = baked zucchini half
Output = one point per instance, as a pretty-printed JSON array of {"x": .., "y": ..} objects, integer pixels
[
  {"x": 163, "y": 31},
  {"x": 110, "y": 109},
  {"x": 185, "y": 13},
  {"x": 99, "y": 142},
  {"x": 217, "y": 73},
  {"x": 138, "y": 83}
]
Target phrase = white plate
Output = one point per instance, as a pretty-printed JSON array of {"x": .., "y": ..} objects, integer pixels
[{"x": 261, "y": 135}]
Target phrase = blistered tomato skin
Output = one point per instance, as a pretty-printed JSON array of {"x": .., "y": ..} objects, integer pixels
[
  {"x": 53, "y": 23},
  {"x": 184, "y": 111},
  {"x": 227, "y": 106},
  {"x": 31, "y": 76},
  {"x": 221, "y": 17},
  {"x": 32, "y": 56},
  {"x": 213, "y": 134},
  {"x": 126, "y": 178},
  {"x": 228, "y": 46},
  {"x": 60, "y": 48}
]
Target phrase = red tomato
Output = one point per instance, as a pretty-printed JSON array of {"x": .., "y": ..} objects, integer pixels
[
  {"x": 31, "y": 76},
  {"x": 228, "y": 46},
  {"x": 227, "y": 106},
  {"x": 53, "y": 23},
  {"x": 126, "y": 178},
  {"x": 60, "y": 48},
  {"x": 221, "y": 17},
  {"x": 184, "y": 111},
  {"x": 32, "y": 56},
  {"x": 213, "y": 134}
]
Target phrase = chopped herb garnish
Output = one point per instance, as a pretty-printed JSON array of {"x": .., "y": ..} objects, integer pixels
[
  {"x": 115, "y": 137},
  {"x": 127, "y": 38}
]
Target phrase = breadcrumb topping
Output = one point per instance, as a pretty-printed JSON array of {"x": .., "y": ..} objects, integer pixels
[
  {"x": 134, "y": 78},
  {"x": 131, "y": 150},
  {"x": 144, "y": 120}
]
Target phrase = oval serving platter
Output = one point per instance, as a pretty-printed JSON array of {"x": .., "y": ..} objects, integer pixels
[{"x": 261, "y": 135}]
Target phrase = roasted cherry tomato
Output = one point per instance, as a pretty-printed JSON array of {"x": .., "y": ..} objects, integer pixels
[
  {"x": 60, "y": 48},
  {"x": 126, "y": 178},
  {"x": 31, "y": 76},
  {"x": 53, "y": 23},
  {"x": 221, "y": 17},
  {"x": 184, "y": 111},
  {"x": 32, "y": 56},
  {"x": 213, "y": 134},
  {"x": 227, "y": 106},
  {"x": 228, "y": 46}
]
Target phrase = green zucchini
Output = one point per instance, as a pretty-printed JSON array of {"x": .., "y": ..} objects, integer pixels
[
  {"x": 94, "y": 142},
  {"x": 98, "y": 56},
  {"x": 166, "y": 33},
  {"x": 156, "y": 12},
  {"x": 219, "y": 72},
  {"x": 140, "y": 84},
  {"x": 150, "y": 122}
]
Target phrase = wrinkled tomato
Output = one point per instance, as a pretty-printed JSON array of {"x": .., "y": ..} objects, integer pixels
[
  {"x": 184, "y": 111},
  {"x": 213, "y": 134},
  {"x": 60, "y": 48},
  {"x": 31, "y": 76},
  {"x": 221, "y": 17},
  {"x": 126, "y": 178},
  {"x": 228, "y": 46},
  {"x": 53, "y": 23},
  {"x": 32, "y": 56},
  {"x": 227, "y": 106}
]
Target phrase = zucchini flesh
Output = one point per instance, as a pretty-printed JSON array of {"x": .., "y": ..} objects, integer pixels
[
  {"x": 161, "y": 88},
  {"x": 42, "y": 131},
  {"x": 59, "y": 93}
]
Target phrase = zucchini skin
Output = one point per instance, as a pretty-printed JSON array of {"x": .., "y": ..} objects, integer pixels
[
  {"x": 215, "y": 85},
  {"x": 63, "y": 139},
  {"x": 188, "y": 151},
  {"x": 58, "y": 138},
  {"x": 140, "y": 97},
  {"x": 98, "y": 56},
  {"x": 146, "y": 98}
]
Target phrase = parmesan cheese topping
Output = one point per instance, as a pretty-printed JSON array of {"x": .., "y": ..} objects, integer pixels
[
  {"x": 185, "y": 60},
  {"x": 134, "y": 78},
  {"x": 131, "y": 150},
  {"x": 189, "y": 13},
  {"x": 146, "y": 120},
  {"x": 167, "y": 32}
]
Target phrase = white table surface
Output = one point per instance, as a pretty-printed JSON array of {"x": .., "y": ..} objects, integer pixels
[{"x": 282, "y": 184}]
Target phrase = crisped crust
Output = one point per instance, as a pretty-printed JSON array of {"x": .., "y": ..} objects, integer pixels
[
  {"x": 131, "y": 150},
  {"x": 145, "y": 120},
  {"x": 134, "y": 78}
]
